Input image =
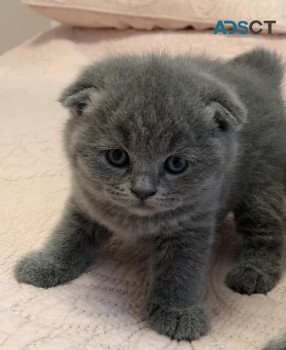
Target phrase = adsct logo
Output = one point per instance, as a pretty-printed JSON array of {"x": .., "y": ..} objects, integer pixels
[{"x": 242, "y": 27}]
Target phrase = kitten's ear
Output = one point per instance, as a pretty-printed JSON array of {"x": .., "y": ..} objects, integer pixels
[
  {"x": 226, "y": 110},
  {"x": 77, "y": 97}
]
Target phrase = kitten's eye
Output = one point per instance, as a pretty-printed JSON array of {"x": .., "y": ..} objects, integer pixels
[
  {"x": 175, "y": 165},
  {"x": 117, "y": 157}
]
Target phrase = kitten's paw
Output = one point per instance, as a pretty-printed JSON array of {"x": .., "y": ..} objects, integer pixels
[
  {"x": 276, "y": 344},
  {"x": 245, "y": 279},
  {"x": 39, "y": 270},
  {"x": 180, "y": 324}
]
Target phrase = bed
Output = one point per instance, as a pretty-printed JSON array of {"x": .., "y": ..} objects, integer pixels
[{"x": 102, "y": 309}]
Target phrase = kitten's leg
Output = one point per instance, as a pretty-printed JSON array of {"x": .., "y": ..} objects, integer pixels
[
  {"x": 178, "y": 266},
  {"x": 68, "y": 252},
  {"x": 260, "y": 220}
]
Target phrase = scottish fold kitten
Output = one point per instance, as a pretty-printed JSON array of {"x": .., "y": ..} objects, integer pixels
[{"x": 161, "y": 149}]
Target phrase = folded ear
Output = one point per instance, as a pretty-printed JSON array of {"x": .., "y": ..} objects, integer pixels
[
  {"x": 225, "y": 110},
  {"x": 76, "y": 97}
]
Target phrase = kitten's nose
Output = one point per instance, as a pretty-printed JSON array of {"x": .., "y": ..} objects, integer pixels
[
  {"x": 143, "y": 185},
  {"x": 142, "y": 193}
]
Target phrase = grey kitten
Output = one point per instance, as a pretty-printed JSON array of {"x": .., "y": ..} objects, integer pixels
[{"x": 161, "y": 150}]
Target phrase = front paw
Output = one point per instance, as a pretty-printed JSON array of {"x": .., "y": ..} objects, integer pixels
[
  {"x": 276, "y": 344},
  {"x": 39, "y": 270},
  {"x": 245, "y": 279},
  {"x": 180, "y": 324}
]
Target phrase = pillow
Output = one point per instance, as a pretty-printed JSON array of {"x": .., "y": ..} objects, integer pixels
[{"x": 166, "y": 14}]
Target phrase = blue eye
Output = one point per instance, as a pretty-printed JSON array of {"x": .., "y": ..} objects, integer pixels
[
  {"x": 175, "y": 165},
  {"x": 117, "y": 157}
]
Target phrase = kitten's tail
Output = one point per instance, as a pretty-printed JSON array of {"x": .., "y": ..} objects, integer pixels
[{"x": 267, "y": 64}]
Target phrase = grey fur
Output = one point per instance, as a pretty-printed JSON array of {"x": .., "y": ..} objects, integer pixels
[
  {"x": 277, "y": 344},
  {"x": 227, "y": 119}
]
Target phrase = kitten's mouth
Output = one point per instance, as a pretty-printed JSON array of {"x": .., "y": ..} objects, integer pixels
[{"x": 143, "y": 209}]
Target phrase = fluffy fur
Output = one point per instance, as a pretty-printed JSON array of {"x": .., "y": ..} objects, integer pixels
[
  {"x": 226, "y": 118},
  {"x": 277, "y": 344}
]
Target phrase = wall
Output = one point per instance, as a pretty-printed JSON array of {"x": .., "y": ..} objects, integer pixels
[{"x": 18, "y": 23}]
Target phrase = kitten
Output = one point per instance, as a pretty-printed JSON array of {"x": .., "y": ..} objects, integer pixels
[{"x": 162, "y": 149}]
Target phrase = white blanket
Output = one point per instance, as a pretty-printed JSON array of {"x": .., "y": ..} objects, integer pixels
[{"x": 102, "y": 309}]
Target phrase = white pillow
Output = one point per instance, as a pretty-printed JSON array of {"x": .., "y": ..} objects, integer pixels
[{"x": 166, "y": 14}]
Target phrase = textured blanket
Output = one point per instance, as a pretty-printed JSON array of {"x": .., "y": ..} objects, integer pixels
[{"x": 103, "y": 308}]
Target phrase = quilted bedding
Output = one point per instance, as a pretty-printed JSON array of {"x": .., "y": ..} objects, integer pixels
[{"x": 102, "y": 309}]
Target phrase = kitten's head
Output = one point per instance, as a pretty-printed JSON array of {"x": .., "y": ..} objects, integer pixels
[{"x": 149, "y": 133}]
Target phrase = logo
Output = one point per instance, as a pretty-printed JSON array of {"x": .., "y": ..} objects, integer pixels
[{"x": 242, "y": 27}]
